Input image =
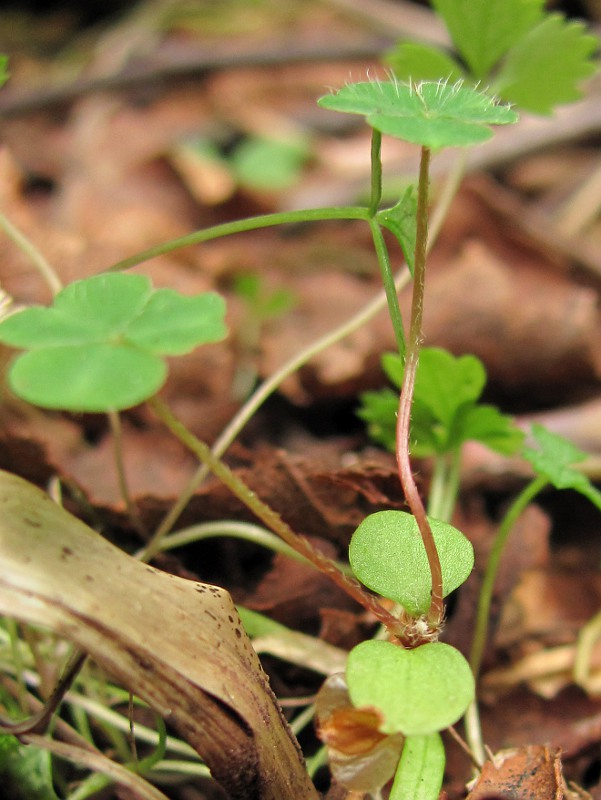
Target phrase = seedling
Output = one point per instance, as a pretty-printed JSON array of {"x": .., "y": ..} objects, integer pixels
[{"x": 100, "y": 347}]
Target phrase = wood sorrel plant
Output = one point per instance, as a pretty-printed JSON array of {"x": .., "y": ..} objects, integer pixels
[
  {"x": 100, "y": 347},
  {"x": 412, "y": 559}
]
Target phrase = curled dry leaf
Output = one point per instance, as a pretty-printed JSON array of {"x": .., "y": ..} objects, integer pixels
[
  {"x": 533, "y": 771},
  {"x": 177, "y": 644}
]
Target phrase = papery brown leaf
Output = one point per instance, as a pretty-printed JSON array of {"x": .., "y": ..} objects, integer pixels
[
  {"x": 177, "y": 644},
  {"x": 528, "y": 773}
]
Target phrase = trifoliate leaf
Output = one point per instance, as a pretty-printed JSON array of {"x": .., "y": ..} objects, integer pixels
[
  {"x": 387, "y": 555},
  {"x": 418, "y": 691},
  {"x": 401, "y": 220},
  {"x": 99, "y": 346},
  {"x": 545, "y": 68},
  {"x": 432, "y": 114},
  {"x": 415, "y": 62},
  {"x": 483, "y": 30}
]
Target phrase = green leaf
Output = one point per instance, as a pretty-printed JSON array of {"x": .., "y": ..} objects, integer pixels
[
  {"x": 554, "y": 458},
  {"x": 444, "y": 383},
  {"x": 25, "y": 771},
  {"x": 486, "y": 424},
  {"x": 91, "y": 378},
  {"x": 401, "y": 220},
  {"x": 547, "y": 65},
  {"x": 4, "y": 73},
  {"x": 445, "y": 412},
  {"x": 418, "y": 692},
  {"x": 483, "y": 30},
  {"x": 421, "y": 769},
  {"x": 173, "y": 324},
  {"x": 432, "y": 114},
  {"x": 99, "y": 346},
  {"x": 378, "y": 410},
  {"x": 387, "y": 555},
  {"x": 422, "y": 62},
  {"x": 269, "y": 164}
]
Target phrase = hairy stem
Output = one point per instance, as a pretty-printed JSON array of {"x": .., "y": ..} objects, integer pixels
[
  {"x": 376, "y": 172},
  {"x": 412, "y": 495}
]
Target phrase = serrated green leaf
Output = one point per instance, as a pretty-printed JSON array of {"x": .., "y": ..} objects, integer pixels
[
  {"x": 483, "y": 30},
  {"x": 418, "y": 691},
  {"x": 387, "y": 555},
  {"x": 432, "y": 114},
  {"x": 421, "y": 769},
  {"x": 401, "y": 220},
  {"x": 422, "y": 62},
  {"x": 546, "y": 67},
  {"x": 87, "y": 378},
  {"x": 444, "y": 383},
  {"x": 554, "y": 459},
  {"x": 25, "y": 771},
  {"x": 445, "y": 412}
]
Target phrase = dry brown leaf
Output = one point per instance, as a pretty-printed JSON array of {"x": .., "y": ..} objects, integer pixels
[
  {"x": 177, "y": 644},
  {"x": 528, "y": 773}
]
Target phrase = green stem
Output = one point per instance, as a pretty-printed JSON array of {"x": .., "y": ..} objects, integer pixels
[
  {"x": 435, "y": 613},
  {"x": 392, "y": 297},
  {"x": 274, "y": 521},
  {"x": 486, "y": 592},
  {"x": 269, "y": 386},
  {"x": 241, "y": 226},
  {"x": 376, "y": 172},
  {"x": 132, "y": 512},
  {"x": 438, "y": 485}
]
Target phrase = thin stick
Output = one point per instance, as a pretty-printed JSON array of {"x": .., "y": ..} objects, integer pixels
[{"x": 33, "y": 254}]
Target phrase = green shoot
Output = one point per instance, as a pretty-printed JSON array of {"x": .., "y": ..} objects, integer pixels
[{"x": 446, "y": 412}]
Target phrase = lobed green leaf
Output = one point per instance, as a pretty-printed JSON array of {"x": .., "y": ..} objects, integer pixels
[
  {"x": 483, "y": 31},
  {"x": 411, "y": 61},
  {"x": 554, "y": 459},
  {"x": 432, "y": 114},
  {"x": 545, "y": 68}
]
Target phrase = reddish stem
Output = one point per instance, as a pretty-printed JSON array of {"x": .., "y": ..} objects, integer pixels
[{"x": 435, "y": 613}]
